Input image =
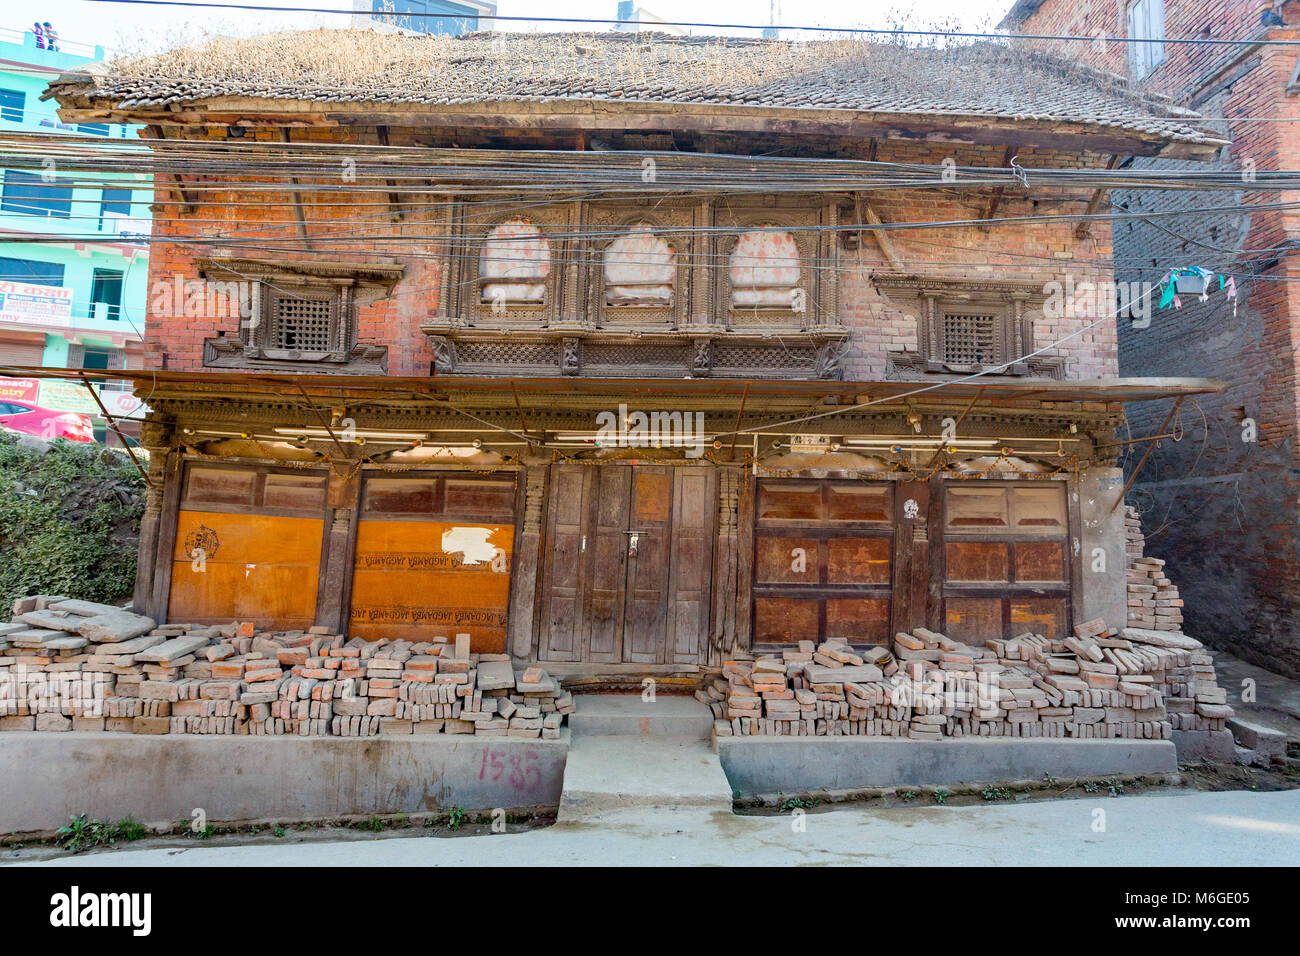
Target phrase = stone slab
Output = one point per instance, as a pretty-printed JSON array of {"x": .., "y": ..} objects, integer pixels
[
  {"x": 174, "y": 649},
  {"x": 820, "y": 674},
  {"x": 495, "y": 675},
  {"x": 115, "y": 626}
]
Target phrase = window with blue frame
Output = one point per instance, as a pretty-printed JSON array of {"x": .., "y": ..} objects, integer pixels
[
  {"x": 106, "y": 289},
  {"x": 29, "y": 270},
  {"x": 430, "y": 16},
  {"x": 11, "y": 105},
  {"x": 113, "y": 202},
  {"x": 27, "y": 194}
]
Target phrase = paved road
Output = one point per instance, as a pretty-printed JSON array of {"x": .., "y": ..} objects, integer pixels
[{"x": 1236, "y": 828}]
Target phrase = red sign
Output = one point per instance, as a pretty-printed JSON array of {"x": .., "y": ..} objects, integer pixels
[{"x": 22, "y": 389}]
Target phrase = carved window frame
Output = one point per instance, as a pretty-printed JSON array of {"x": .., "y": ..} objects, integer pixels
[
  {"x": 260, "y": 337},
  {"x": 470, "y": 243},
  {"x": 768, "y": 319},
  {"x": 621, "y": 222},
  {"x": 1013, "y": 304}
]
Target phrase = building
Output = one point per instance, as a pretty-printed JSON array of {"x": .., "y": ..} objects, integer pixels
[
  {"x": 1221, "y": 504},
  {"x": 440, "y": 17},
  {"x": 627, "y": 370},
  {"x": 74, "y": 293}
]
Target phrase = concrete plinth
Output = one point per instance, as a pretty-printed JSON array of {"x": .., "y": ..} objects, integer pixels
[
  {"x": 772, "y": 765},
  {"x": 46, "y": 778},
  {"x": 1205, "y": 746}
]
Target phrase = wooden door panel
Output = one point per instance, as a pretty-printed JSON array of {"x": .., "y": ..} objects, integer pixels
[
  {"x": 259, "y": 568},
  {"x": 647, "y": 595},
  {"x": 689, "y": 589},
  {"x": 606, "y": 566},
  {"x": 562, "y": 617}
]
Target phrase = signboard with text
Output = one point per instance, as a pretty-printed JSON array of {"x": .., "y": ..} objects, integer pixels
[
  {"x": 25, "y": 303},
  {"x": 19, "y": 389}
]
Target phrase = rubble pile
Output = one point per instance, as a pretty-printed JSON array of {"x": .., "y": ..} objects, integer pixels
[
  {"x": 76, "y": 665},
  {"x": 1137, "y": 684}
]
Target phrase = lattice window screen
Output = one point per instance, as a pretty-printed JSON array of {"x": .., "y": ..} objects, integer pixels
[
  {"x": 969, "y": 338},
  {"x": 302, "y": 324}
]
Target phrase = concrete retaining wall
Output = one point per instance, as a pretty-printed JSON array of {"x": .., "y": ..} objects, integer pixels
[
  {"x": 769, "y": 765},
  {"x": 45, "y": 778}
]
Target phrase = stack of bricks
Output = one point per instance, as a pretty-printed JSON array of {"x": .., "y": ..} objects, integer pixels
[
  {"x": 73, "y": 665},
  {"x": 1096, "y": 683},
  {"x": 1153, "y": 601},
  {"x": 1186, "y": 679}
]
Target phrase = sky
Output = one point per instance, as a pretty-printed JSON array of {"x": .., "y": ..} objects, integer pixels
[{"x": 129, "y": 28}]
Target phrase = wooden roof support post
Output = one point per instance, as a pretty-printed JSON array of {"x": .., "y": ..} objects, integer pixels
[
  {"x": 996, "y": 197},
  {"x": 394, "y": 204},
  {"x": 182, "y": 195},
  {"x": 868, "y": 215},
  {"x": 112, "y": 423},
  {"x": 1082, "y": 229},
  {"x": 1145, "y": 455},
  {"x": 297, "y": 199}
]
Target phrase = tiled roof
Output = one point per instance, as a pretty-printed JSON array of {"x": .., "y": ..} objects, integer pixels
[{"x": 365, "y": 66}]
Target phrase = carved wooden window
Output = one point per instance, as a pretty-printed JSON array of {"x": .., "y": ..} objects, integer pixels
[
  {"x": 968, "y": 337},
  {"x": 303, "y": 322},
  {"x": 640, "y": 269},
  {"x": 514, "y": 264},
  {"x": 307, "y": 322},
  {"x": 765, "y": 272}
]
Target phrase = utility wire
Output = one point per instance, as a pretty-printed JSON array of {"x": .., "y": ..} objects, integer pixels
[{"x": 877, "y": 31}]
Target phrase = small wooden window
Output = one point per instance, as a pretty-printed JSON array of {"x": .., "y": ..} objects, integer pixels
[
  {"x": 514, "y": 265},
  {"x": 399, "y": 496},
  {"x": 304, "y": 493},
  {"x": 220, "y": 486}
]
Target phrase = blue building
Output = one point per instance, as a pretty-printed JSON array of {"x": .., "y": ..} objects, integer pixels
[
  {"x": 442, "y": 17},
  {"x": 79, "y": 302}
]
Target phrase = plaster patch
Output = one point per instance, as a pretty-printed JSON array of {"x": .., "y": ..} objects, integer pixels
[{"x": 471, "y": 542}]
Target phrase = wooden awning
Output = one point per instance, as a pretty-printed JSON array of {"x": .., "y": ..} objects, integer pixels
[{"x": 993, "y": 389}]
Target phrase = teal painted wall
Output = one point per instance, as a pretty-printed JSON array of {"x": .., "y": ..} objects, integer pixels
[{"x": 94, "y": 240}]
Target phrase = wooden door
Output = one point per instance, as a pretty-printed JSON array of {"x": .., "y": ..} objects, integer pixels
[
  {"x": 695, "y": 508},
  {"x": 607, "y": 566},
  {"x": 566, "y": 536},
  {"x": 433, "y": 559},
  {"x": 646, "y": 611},
  {"x": 606, "y": 600},
  {"x": 248, "y": 546}
]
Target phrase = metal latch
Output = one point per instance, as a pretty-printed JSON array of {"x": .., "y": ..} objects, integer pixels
[{"x": 633, "y": 538}]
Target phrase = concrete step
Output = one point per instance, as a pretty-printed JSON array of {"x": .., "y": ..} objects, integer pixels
[
  {"x": 605, "y": 715},
  {"x": 611, "y": 773}
]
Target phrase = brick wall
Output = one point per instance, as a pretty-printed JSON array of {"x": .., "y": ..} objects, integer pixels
[
  {"x": 1038, "y": 253},
  {"x": 1221, "y": 510}
]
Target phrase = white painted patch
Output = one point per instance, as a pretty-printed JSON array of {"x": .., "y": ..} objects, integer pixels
[{"x": 471, "y": 542}]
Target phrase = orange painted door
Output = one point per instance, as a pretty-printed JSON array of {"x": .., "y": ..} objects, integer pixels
[
  {"x": 433, "y": 559},
  {"x": 248, "y": 548}
]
